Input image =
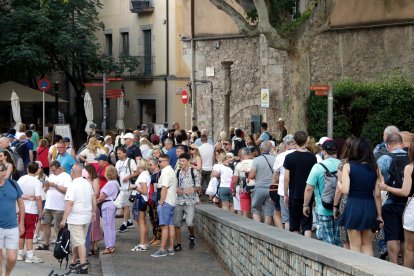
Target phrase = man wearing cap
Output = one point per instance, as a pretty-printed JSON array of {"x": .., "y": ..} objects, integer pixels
[
  {"x": 279, "y": 176},
  {"x": 281, "y": 131},
  {"x": 66, "y": 160},
  {"x": 69, "y": 148},
  {"x": 103, "y": 163},
  {"x": 132, "y": 150},
  {"x": 327, "y": 228}
]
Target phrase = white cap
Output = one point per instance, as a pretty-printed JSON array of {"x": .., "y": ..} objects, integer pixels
[
  {"x": 129, "y": 135},
  {"x": 322, "y": 140}
]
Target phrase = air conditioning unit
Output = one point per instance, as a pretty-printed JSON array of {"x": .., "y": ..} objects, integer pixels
[{"x": 138, "y": 6}]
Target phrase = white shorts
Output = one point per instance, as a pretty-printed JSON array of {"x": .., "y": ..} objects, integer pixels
[
  {"x": 409, "y": 216},
  {"x": 124, "y": 194},
  {"x": 9, "y": 238}
]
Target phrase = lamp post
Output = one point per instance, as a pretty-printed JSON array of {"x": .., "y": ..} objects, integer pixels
[{"x": 56, "y": 86}]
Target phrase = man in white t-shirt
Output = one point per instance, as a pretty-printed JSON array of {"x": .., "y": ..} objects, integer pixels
[
  {"x": 279, "y": 176},
  {"x": 32, "y": 191},
  {"x": 166, "y": 204},
  {"x": 127, "y": 169},
  {"x": 207, "y": 155},
  {"x": 79, "y": 212},
  {"x": 55, "y": 189}
]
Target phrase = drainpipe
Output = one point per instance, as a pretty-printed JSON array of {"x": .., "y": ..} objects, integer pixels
[
  {"x": 193, "y": 66},
  {"x": 167, "y": 64},
  {"x": 227, "y": 92}
]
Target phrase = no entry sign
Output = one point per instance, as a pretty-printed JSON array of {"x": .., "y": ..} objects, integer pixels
[
  {"x": 43, "y": 85},
  {"x": 184, "y": 97}
]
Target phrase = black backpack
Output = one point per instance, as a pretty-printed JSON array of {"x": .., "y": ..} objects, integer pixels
[
  {"x": 271, "y": 138},
  {"x": 62, "y": 246},
  {"x": 396, "y": 173},
  {"x": 21, "y": 149},
  {"x": 192, "y": 176}
]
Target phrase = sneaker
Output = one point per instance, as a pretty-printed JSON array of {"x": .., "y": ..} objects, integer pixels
[
  {"x": 35, "y": 240},
  {"x": 123, "y": 228},
  {"x": 192, "y": 242},
  {"x": 20, "y": 257},
  {"x": 34, "y": 260},
  {"x": 383, "y": 255},
  {"x": 139, "y": 248},
  {"x": 159, "y": 253},
  {"x": 130, "y": 225},
  {"x": 170, "y": 252},
  {"x": 177, "y": 247},
  {"x": 83, "y": 269}
]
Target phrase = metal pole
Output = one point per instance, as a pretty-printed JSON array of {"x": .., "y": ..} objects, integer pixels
[
  {"x": 227, "y": 92},
  {"x": 185, "y": 124},
  {"x": 330, "y": 111},
  {"x": 56, "y": 102},
  {"x": 43, "y": 130},
  {"x": 104, "y": 103}
]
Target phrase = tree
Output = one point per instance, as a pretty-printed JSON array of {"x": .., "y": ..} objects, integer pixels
[
  {"x": 287, "y": 31},
  {"x": 56, "y": 36}
]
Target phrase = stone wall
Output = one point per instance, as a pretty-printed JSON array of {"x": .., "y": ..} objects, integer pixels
[
  {"x": 251, "y": 248},
  {"x": 358, "y": 54}
]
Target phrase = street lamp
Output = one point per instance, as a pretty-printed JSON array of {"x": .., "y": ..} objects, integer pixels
[{"x": 56, "y": 86}]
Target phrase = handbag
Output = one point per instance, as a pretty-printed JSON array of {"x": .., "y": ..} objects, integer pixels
[
  {"x": 212, "y": 186},
  {"x": 132, "y": 196}
]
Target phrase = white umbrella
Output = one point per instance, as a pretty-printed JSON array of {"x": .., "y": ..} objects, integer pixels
[
  {"x": 87, "y": 103},
  {"x": 15, "y": 103},
  {"x": 120, "y": 111}
]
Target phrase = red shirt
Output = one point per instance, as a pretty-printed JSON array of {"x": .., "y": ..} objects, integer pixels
[
  {"x": 42, "y": 156},
  {"x": 102, "y": 178}
]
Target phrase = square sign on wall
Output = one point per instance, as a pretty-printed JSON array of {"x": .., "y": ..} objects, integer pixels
[{"x": 210, "y": 71}]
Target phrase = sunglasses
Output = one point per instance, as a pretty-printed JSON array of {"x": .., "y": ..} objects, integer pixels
[{"x": 226, "y": 144}]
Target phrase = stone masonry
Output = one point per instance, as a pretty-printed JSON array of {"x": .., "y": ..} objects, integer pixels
[{"x": 251, "y": 248}]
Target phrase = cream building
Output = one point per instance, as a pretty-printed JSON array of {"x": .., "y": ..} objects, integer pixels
[{"x": 148, "y": 30}]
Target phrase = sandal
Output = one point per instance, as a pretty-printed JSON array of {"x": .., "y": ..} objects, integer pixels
[
  {"x": 108, "y": 250},
  {"x": 43, "y": 247},
  {"x": 91, "y": 252}
]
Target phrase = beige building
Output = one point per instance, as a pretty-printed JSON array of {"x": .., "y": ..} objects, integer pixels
[{"x": 149, "y": 31}]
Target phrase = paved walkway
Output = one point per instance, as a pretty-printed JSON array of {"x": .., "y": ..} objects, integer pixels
[{"x": 201, "y": 260}]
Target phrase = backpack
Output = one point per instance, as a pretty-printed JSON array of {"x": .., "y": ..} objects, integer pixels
[
  {"x": 330, "y": 182},
  {"x": 271, "y": 138},
  {"x": 192, "y": 176},
  {"x": 18, "y": 160},
  {"x": 396, "y": 171},
  {"x": 62, "y": 246}
]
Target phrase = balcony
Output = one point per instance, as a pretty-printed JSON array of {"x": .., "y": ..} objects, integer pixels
[
  {"x": 141, "y": 6},
  {"x": 143, "y": 70}
]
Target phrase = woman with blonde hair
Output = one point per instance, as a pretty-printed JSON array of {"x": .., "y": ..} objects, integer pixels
[
  {"x": 156, "y": 152},
  {"x": 142, "y": 186},
  {"x": 93, "y": 150},
  {"x": 225, "y": 173},
  {"x": 108, "y": 210},
  {"x": 195, "y": 161},
  {"x": 145, "y": 147}
]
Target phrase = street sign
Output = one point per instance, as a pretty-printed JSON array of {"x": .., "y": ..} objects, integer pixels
[
  {"x": 264, "y": 98},
  {"x": 319, "y": 87},
  {"x": 184, "y": 97},
  {"x": 91, "y": 84},
  {"x": 114, "y": 79},
  {"x": 114, "y": 90},
  {"x": 43, "y": 85}
]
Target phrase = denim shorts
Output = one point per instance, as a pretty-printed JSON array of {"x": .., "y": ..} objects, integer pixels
[
  {"x": 284, "y": 210},
  {"x": 165, "y": 214},
  {"x": 225, "y": 194}
]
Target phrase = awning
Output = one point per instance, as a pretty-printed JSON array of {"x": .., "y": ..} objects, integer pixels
[{"x": 25, "y": 93}]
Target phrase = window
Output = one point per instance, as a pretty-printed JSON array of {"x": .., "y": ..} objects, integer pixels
[
  {"x": 108, "y": 45},
  {"x": 124, "y": 47}
]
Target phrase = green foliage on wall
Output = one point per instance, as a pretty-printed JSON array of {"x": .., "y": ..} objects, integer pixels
[{"x": 365, "y": 108}]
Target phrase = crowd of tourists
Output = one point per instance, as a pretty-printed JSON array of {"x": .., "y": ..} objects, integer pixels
[{"x": 345, "y": 191}]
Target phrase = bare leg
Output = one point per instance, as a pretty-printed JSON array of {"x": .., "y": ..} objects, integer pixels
[
  {"x": 11, "y": 256},
  {"x": 277, "y": 219},
  {"x": 171, "y": 233},
  {"x": 82, "y": 253},
  {"x": 127, "y": 213},
  {"x": 308, "y": 234},
  {"x": 409, "y": 249},
  {"x": 143, "y": 228},
  {"x": 355, "y": 240},
  {"x": 164, "y": 237},
  {"x": 47, "y": 231},
  {"x": 268, "y": 220},
  {"x": 75, "y": 254},
  {"x": 393, "y": 250},
  {"x": 225, "y": 205},
  {"x": 366, "y": 242},
  {"x": 178, "y": 235}
]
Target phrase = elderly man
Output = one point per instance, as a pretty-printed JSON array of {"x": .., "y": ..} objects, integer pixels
[
  {"x": 79, "y": 212},
  {"x": 132, "y": 150},
  {"x": 55, "y": 189},
  {"x": 10, "y": 229},
  {"x": 262, "y": 172},
  {"x": 381, "y": 148},
  {"x": 65, "y": 159}
]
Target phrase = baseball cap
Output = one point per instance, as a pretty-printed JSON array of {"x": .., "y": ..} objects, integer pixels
[
  {"x": 280, "y": 120},
  {"x": 330, "y": 145},
  {"x": 11, "y": 136},
  {"x": 102, "y": 157},
  {"x": 322, "y": 140},
  {"x": 128, "y": 135},
  {"x": 66, "y": 139}
]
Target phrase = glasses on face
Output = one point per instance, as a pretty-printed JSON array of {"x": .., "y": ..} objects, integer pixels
[
  {"x": 226, "y": 144},
  {"x": 160, "y": 161}
]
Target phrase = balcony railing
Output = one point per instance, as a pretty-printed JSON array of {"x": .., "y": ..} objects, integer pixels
[
  {"x": 141, "y": 6},
  {"x": 144, "y": 68}
]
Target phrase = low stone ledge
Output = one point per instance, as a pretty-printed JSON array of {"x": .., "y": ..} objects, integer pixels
[{"x": 252, "y": 248}]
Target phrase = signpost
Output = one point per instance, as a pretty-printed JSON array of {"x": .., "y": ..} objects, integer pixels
[
  {"x": 184, "y": 100},
  {"x": 43, "y": 86},
  {"x": 265, "y": 101},
  {"x": 326, "y": 90}
]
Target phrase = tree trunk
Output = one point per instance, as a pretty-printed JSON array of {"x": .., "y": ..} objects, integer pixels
[
  {"x": 296, "y": 104},
  {"x": 79, "y": 134}
]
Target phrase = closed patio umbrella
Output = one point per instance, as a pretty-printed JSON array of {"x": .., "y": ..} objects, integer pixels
[
  {"x": 87, "y": 103},
  {"x": 120, "y": 110},
  {"x": 15, "y": 103}
]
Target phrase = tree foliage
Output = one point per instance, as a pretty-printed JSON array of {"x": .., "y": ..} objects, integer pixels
[{"x": 365, "y": 108}]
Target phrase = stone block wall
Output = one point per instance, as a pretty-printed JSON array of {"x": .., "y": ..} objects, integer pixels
[{"x": 251, "y": 248}]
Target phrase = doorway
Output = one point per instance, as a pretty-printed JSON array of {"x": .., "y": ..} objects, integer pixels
[{"x": 147, "y": 111}]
